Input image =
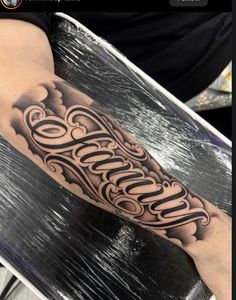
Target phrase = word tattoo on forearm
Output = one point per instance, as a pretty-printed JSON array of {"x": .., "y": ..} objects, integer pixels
[{"x": 91, "y": 150}]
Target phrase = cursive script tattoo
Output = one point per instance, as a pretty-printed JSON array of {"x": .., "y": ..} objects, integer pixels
[{"x": 90, "y": 149}]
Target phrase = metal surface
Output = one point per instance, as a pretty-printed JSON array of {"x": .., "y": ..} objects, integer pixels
[{"x": 69, "y": 249}]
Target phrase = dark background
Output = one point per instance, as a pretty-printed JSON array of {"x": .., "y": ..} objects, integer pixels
[{"x": 121, "y": 5}]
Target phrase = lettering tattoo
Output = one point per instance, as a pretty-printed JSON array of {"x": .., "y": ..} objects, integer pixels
[{"x": 90, "y": 149}]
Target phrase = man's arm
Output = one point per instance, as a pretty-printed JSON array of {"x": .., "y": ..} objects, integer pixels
[{"x": 65, "y": 133}]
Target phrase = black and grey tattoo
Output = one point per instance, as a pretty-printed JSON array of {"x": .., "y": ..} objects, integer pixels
[{"x": 91, "y": 150}]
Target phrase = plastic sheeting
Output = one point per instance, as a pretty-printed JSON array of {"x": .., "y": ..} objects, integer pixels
[{"x": 69, "y": 249}]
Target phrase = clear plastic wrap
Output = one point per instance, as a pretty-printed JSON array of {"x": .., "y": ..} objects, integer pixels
[{"x": 69, "y": 249}]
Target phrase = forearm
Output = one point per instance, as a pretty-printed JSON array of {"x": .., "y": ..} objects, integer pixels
[{"x": 90, "y": 154}]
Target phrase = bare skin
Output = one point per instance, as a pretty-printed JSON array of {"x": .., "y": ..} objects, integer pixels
[{"x": 62, "y": 131}]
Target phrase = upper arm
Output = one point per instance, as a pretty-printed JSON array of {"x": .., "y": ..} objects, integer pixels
[
  {"x": 25, "y": 42},
  {"x": 25, "y": 59}
]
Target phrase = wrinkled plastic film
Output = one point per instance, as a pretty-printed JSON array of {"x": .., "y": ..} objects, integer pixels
[
  {"x": 69, "y": 249},
  {"x": 179, "y": 143}
]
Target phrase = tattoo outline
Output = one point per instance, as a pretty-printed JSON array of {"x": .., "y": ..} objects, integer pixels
[{"x": 91, "y": 150}]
